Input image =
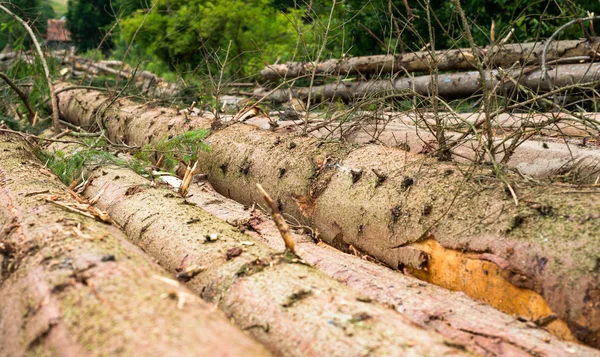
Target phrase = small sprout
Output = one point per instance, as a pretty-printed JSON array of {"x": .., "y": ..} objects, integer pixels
[{"x": 292, "y": 145}]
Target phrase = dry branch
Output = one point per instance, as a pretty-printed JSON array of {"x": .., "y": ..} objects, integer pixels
[
  {"x": 72, "y": 286},
  {"x": 53, "y": 97}
]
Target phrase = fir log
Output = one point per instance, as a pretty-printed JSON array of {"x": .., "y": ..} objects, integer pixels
[
  {"x": 450, "y": 85},
  {"x": 481, "y": 328},
  {"x": 288, "y": 306},
  {"x": 137, "y": 124},
  {"x": 380, "y": 199},
  {"x": 72, "y": 286},
  {"x": 447, "y": 60}
]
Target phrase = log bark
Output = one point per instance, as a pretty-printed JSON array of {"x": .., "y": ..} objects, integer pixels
[
  {"x": 447, "y": 60},
  {"x": 420, "y": 201},
  {"x": 288, "y": 306},
  {"x": 71, "y": 286},
  {"x": 450, "y": 85},
  {"x": 378, "y": 216},
  {"x": 481, "y": 328},
  {"x": 560, "y": 151}
]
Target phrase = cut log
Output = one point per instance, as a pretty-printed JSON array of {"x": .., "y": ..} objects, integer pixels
[
  {"x": 71, "y": 286},
  {"x": 420, "y": 203},
  {"x": 136, "y": 124},
  {"x": 447, "y": 60},
  {"x": 544, "y": 158},
  {"x": 451, "y": 85},
  {"x": 481, "y": 328},
  {"x": 416, "y": 199},
  {"x": 288, "y": 306}
]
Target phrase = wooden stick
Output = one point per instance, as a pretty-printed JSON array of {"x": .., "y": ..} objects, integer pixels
[{"x": 282, "y": 226}]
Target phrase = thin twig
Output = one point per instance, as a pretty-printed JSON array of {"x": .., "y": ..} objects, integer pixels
[
  {"x": 53, "y": 97},
  {"x": 282, "y": 226}
]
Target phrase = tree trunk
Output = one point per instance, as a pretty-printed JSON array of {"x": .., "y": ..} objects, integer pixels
[
  {"x": 451, "y": 85},
  {"x": 288, "y": 306},
  {"x": 333, "y": 188},
  {"x": 481, "y": 328},
  {"x": 71, "y": 286},
  {"x": 447, "y": 60},
  {"x": 380, "y": 200}
]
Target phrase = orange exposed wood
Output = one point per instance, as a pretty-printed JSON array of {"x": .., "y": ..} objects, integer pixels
[{"x": 484, "y": 281}]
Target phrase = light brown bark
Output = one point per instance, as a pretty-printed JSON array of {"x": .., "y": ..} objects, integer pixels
[
  {"x": 447, "y": 60},
  {"x": 72, "y": 286},
  {"x": 288, "y": 306},
  {"x": 481, "y": 328}
]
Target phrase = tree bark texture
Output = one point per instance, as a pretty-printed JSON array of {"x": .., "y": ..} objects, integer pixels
[
  {"x": 291, "y": 308},
  {"x": 72, "y": 286},
  {"x": 380, "y": 199},
  {"x": 447, "y": 60},
  {"x": 481, "y": 328}
]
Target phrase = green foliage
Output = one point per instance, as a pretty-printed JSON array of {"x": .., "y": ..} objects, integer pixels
[
  {"x": 90, "y": 20},
  {"x": 184, "y": 147},
  {"x": 35, "y": 12},
  {"x": 200, "y": 34},
  {"x": 69, "y": 167}
]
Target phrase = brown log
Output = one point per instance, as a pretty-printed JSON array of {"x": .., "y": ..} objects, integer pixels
[
  {"x": 298, "y": 173},
  {"x": 72, "y": 286},
  {"x": 288, "y": 306},
  {"x": 483, "y": 329},
  {"x": 447, "y": 60},
  {"x": 450, "y": 85},
  {"x": 543, "y": 158}
]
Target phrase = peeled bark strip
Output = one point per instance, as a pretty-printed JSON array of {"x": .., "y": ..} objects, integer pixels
[
  {"x": 481, "y": 328},
  {"x": 452, "y": 85},
  {"x": 456, "y": 59},
  {"x": 71, "y": 286},
  {"x": 290, "y": 307},
  {"x": 549, "y": 242}
]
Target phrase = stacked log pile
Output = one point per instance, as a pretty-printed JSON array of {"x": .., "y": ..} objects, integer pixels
[
  {"x": 508, "y": 66},
  {"x": 391, "y": 204}
]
